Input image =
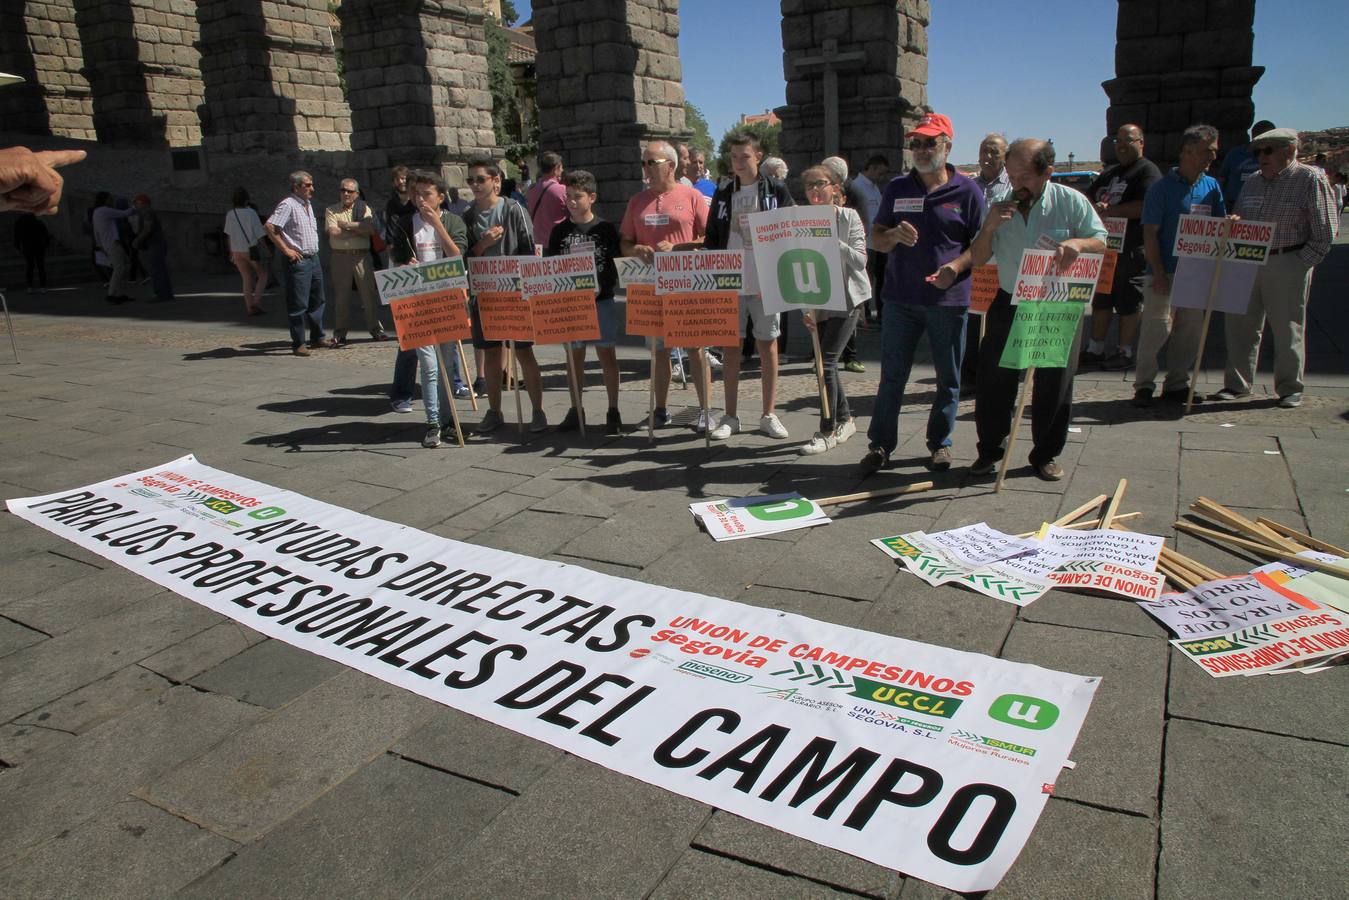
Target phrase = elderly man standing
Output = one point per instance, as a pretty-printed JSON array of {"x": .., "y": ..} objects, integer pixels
[
  {"x": 992, "y": 181},
  {"x": 1118, "y": 193},
  {"x": 1299, "y": 201},
  {"x": 926, "y": 223},
  {"x": 1185, "y": 190},
  {"x": 349, "y": 225},
  {"x": 294, "y": 231},
  {"x": 1039, "y": 213},
  {"x": 547, "y": 199}
]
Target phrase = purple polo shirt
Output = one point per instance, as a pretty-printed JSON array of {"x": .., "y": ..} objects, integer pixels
[{"x": 947, "y": 219}]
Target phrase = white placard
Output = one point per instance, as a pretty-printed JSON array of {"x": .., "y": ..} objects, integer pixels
[{"x": 797, "y": 257}]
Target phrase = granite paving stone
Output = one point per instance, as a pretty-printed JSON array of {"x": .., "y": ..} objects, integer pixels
[
  {"x": 264, "y": 774},
  {"x": 1208, "y": 847},
  {"x": 270, "y": 673},
  {"x": 1009, "y": 511},
  {"x": 96, "y": 703},
  {"x": 74, "y": 603},
  {"x": 21, "y": 744},
  {"x": 1304, "y": 706},
  {"x": 534, "y": 533},
  {"x": 714, "y": 877},
  {"x": 1099, "y": 612},
  {"x": 946, "y": 615},
  {"x": 374, "y": 835},
  {"x": 202, "y": 651},
  {"x": 128, "y": 850},
  {"x": 1126, "y": 717},
  {"x": 624, "y": 850},
  {"x": 1253, "y": 481},
  {"x": 470, "y": 747},
  {"x": 824, "y": 607},
  {"x": 40, "y": 572},
  {"x": 720, "y": 568},
  {"x": 636, "y": 536},
  {"x": 731, "y": 836},
  {"x": 15, "y": 636},
  {"x": 66, "y": 785}
]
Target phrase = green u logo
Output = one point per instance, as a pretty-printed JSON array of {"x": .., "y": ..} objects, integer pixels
[
  {"x": 782, "y": 509},
  {"x": 803, "y": 277}
]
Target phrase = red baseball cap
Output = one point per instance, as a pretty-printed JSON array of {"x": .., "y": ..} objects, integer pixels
[{"x": 932, "y": 125}]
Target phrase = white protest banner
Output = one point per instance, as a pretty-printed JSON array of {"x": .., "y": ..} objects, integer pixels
[
  {"x": 667, "y": 686},
  {"x": 975, "y": 545},
  {"x": 1199, "y": 248},
  {"x": 1115, "y": 227},
  {"x": 417, "y": 280},
  {"x": 745, "y": 517},
  {"x": 1216, "y": 607},
  {"x": 1113, "y": 578},
  {"x": 1261, "y": 648},
  {"x": 1000, "y": 580},
  {"x": 1127, "y": 548},
  {"x": 1201, "y": 236},
  {"x": 1039, "y": 279},
  {"x": 1193, "y": 277},
  {"x": 797, "y": 256}
]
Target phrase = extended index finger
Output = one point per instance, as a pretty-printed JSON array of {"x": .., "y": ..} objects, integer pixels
[{"x": 58, "y": 158}]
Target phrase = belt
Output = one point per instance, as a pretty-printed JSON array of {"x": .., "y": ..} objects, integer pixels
[
  {"x": 356, "y": 250},
  {"x": 1288, "y": 249}
]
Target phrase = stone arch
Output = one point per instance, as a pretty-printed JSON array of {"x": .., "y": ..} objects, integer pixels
[{"x": 40, "y": 42}]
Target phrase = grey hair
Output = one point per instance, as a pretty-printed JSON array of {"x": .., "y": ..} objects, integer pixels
[
  {"x": 1198, "y": 134},
  {"x": 352, "y": 180},
  {"x": 992, "y": 137},
  {"x": 670, "y": 153},
  {"x": 774, "y": 167},
  {"x": 837, "y": 166},
  {"x": 298, "y": 178}
]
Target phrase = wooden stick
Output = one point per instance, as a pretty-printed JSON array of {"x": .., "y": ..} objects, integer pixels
[
  {"x": 574, "y": 388},
  {"x": 916, "y": 488},
  {"x": 1338, "y": 571},
  {"x": 683, "y": 370},
  {"x": 1237, "y": 522},
  {"x": 651, "y": 399},
  {"x": 464, "y": 370},
  {"x": 1089, "y": 524},
  {"x": 705, "y": 376},
  {"x": 1090, "y": 506},
  {"x": 1310, "y": 542},
  {"x": 1182, "y": 579},
  {"x": 1183, "y": 564},
  {"x": 1016, "y": 423},
  {"x": 512, "y": 366},
  {"x": 1208, "y": 572},
  {"x": 1113, "y": 506},
  {"x": 1223, "y": 229},
  {"x": 449, "y": 394},
  {"x": 819, "y": 367}
]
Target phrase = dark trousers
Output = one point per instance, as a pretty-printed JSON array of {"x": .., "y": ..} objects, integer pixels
[
  {"x": 304, "y": 299},
  {"x": 35, "y": 260},
  {"x": 969, "y": 367},
  {"x": 405, "y": 375},
  {"x": 876, "y": 263},
  {"x": 1051, "y": 401}
]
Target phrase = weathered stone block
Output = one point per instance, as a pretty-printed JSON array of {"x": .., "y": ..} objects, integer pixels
[{"x": 1218, "y": 49}]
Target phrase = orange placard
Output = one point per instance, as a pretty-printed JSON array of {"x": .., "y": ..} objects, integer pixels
[
  {"x": 1106, "y": 282},
  {"x": 983, "y": 287},
  {"x": 563, "y": 317},
  {"x": 426, "y": 319},
  {"x": 645, "y": 312},
  {"x": 505, "y": 316},
  {"x": 702, "y": 319}
]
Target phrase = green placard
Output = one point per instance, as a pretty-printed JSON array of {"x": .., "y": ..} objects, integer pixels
[{"x": 1042, "y": 335}]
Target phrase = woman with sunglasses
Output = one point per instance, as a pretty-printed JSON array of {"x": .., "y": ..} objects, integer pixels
[{"x": 835, "y": 327}]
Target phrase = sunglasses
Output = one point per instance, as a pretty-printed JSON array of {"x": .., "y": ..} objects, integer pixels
[
  {"x": 1263, "y": 151},
  {"x": 817, "y": 185},
  {"x": 478, "y": 179},
  {"x": 349, "y": 191},
  {"x": 930, "y": 144},
  {"x": 653, "y": 162}
]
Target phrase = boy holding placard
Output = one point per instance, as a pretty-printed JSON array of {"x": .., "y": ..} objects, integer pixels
[{"x": 585, "y": 232}]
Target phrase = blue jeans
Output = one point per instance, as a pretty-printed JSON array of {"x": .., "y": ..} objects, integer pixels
[
  {"x": 404, "y": 375},
  {"x": 304, "y": 299},
  {"x": 433, "y": 389},
  {"x": 901, "y": 327}
]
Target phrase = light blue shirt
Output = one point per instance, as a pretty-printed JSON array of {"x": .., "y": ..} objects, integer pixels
[{"x": 1061, "y": 213}]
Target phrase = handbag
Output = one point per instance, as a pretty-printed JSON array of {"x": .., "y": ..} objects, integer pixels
[{"x": 254, "y": 249}]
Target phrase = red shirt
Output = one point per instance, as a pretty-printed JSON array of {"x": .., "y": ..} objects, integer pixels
[
  {"x": 547, "y": 207},
  {"x": 679, "y": 215}
]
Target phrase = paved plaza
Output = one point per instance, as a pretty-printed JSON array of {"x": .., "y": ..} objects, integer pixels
[{"x": 150, "y": 747}]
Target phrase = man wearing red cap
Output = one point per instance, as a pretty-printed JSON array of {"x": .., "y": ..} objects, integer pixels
[
  {"x": 926, "y": 223},
  {"x": 150, "y": 237}
]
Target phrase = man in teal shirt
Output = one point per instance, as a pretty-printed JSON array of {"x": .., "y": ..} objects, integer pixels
[{"x": 1038, "y": 214}]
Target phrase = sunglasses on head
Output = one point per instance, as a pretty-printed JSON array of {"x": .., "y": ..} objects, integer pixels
[{"x": 478, "y": 179}]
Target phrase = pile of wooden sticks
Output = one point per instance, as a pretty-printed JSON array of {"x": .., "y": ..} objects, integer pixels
[{"x": 1262, "y": 537}]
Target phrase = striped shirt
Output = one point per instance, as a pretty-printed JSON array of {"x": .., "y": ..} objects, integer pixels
[
  {"x": 1301, "y": 205},
  {"x": 294, "y": 218}
]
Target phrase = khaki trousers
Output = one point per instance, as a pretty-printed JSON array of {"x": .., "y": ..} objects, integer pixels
[
  {"x": 345, "y": 265},
  {"x": 1279, "y": 297},
  {"x": 1178, "y": 329}
]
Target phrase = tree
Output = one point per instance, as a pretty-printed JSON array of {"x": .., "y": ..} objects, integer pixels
[
  {"x": 697, "y": 123},
  {"x": 516, "y": 137},
  {"x": 769, "y": 139}
]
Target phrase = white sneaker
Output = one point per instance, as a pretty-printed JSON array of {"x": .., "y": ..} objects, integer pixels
[
  {"x": 819, "y": 443},
  {"x": 771, "y": 425},
  {"x": 845, "y": 431},
  {"x": 729, "y": 425},
  {"x": 704, "y": 421},
  {"x": 713, "y": 364},
  {"x": 677, "y": 372}
]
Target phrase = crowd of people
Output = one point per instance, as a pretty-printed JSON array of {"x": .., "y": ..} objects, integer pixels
[{"x": 908, "y": 244}]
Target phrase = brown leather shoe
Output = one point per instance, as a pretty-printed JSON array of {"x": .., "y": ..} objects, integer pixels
[
  {"x": 941, "y": 459},
  {"x": 300, "y": 351},
  {"x": 1050, "y": 471}
]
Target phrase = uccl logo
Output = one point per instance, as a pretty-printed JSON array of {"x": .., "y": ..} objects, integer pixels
[
  {"x": 803, "y": 278},
  {"x": 1024, "y": 712},
  {"x": 784, "y": 509}
]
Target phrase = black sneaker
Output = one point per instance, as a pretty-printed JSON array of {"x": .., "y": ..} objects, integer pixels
[
  {"x": 1142, "y": 398},
  {"x": 661, "y": 417},
  {"x": 613, "y": 423},
  {"x": 982, "y": 466},
  {"x": 1179, "y": 396},
  {"x": 569, "y": 421},
  {"x": 480, "y": 387},
  {"x": 1117, "y": 362},
  {"x": 875, "y": 460}
]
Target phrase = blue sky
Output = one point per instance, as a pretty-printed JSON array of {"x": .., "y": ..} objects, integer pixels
[{"x": 1049, "y": 94}]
